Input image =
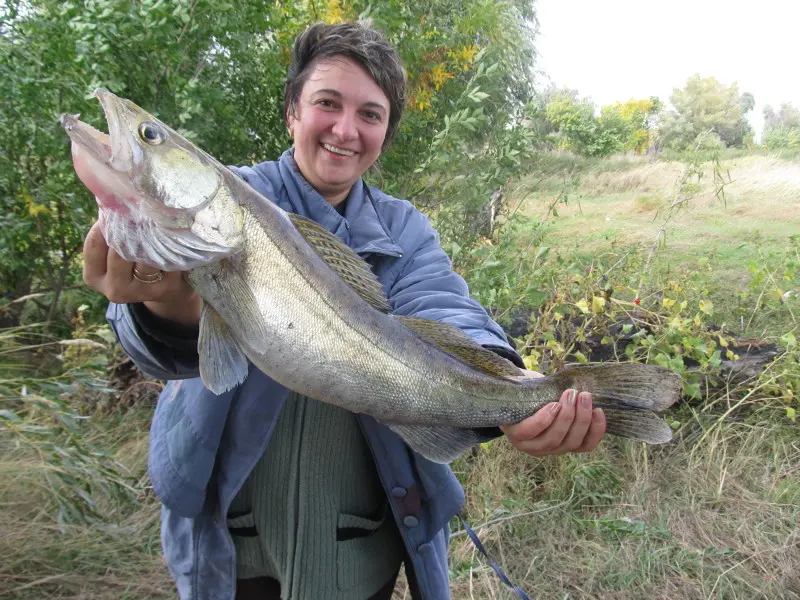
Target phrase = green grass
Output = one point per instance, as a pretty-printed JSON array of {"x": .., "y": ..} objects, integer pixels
[
  {"x": 715, "y": 519},
  {"x": 713, "y": 241}
]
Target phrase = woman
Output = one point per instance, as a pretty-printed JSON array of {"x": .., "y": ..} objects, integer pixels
[{"x": 267, "y": 494}]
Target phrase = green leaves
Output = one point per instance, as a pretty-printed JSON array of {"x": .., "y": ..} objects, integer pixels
[
  {"x": 215, "y": 70},
  {"x": 705, "y": 106}
]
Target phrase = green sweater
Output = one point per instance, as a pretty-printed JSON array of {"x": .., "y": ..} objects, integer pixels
[{"x": 315, "y": 482}]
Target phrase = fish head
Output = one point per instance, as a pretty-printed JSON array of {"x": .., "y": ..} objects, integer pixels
[{"x": 163, "y": 201}]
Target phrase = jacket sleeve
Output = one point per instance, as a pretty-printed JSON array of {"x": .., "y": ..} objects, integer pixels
[
  {"x": 160, "y": 348},
  {"x": 427, "y": 287}
]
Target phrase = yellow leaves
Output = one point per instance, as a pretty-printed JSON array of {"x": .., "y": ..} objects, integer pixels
[
  {"x": 598, "y": 304},
  {"x": 464, "y": 57},
  {"x": 706, "y": 306},
  {"x": 668, "y": 302},
  {"x": 333, "y": 12},
  {"x": 635, "y": 108},
  {"x": 420, "y": 99},
  {"x": 531, "y": 362},
  {"x": 439, "y": 76},
  {"x": 34, "y": 210}
]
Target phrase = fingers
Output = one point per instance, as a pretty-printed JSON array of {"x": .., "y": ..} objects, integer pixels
[
  {"x": 533, "y": 426},
  {"x": 597, "y": 429},
  {"x": 95, "y": 253},
  {"x": 569, "y": 426},
  {"x": 576, "y": 432}
]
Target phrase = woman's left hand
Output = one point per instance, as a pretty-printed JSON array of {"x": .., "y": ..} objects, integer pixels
[{"x": 569, "y": 425}]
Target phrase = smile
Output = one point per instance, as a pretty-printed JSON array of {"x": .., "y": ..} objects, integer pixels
[{"x": 339, "y": 151}]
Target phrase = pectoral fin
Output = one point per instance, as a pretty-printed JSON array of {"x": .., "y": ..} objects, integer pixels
[
  {"x": 439, "y": 444},
  {"x": 226, "y": 289},
  {"x": 223, "y": 365}
]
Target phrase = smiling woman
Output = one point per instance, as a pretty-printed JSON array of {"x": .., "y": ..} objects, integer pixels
[
  {"x": 267, "y": 493},
  {"x": 338, "y": 125}
]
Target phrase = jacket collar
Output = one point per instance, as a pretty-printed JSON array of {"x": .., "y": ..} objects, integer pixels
[{"x": 361, "y": 227}]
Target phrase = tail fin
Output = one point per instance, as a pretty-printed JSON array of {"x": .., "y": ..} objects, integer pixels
[
  {"x": 637, "y": 424},
  {"x": 628, "y": 393}
]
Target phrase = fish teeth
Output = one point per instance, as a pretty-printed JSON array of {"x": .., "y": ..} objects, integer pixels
[{"x": 336, "y": 150}]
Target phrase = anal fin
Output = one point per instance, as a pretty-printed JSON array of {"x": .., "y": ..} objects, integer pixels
[
  {"x": 439, "y": 444},
  {"x": 223, "y": 364}
]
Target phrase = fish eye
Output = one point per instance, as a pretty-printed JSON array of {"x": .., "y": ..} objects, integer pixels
[{"x": 151, "y": 133}]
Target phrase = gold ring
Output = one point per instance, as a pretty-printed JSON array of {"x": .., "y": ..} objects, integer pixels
[{"x": 148, "y": 278}]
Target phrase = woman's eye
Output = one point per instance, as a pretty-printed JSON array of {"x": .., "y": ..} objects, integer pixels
[
  {"x": 372, "y": 115},
  {"x": 326, "y": 103}
]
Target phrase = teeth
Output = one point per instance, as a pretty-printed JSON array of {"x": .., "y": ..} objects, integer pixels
[{"x": 336, "y": 150}]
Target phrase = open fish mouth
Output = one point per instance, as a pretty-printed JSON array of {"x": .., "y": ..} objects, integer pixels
[
  {"x": 140, "y": 190},
  {"x": 111, "y": 148},
  {"x": 89, "y": 138}
]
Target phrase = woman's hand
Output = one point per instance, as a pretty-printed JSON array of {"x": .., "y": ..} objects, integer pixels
[
  {"x": 569, "y": 425},
  {"x": 170, "y": 297}
]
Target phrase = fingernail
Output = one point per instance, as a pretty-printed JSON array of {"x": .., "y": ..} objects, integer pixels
[
  {"x": 586, "y": 401},
  {"x": 555, "y": 407},
  {"x": 597, "y": 415},
  {"x": 572, "y": 395}
]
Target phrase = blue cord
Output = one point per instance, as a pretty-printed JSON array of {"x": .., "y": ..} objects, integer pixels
[{"x": 503, "y": 577}]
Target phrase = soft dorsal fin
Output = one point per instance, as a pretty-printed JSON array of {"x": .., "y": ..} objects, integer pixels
[
  {"x": 343, "y": 260},
  {"x": 458, "y": 344}
]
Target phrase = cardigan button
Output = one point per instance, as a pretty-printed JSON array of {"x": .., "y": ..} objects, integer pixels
[
  {"x": 410, "y": 521},
  {"x": 398, "y": 492}
]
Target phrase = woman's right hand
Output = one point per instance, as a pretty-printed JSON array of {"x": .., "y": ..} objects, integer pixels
[{"x": 170, "y": 298}]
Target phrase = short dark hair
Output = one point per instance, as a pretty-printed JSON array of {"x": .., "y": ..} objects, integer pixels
[{"x": 360, "y": 42}]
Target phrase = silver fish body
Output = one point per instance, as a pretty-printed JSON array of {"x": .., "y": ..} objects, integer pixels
[{"x": 273, "y": 295}]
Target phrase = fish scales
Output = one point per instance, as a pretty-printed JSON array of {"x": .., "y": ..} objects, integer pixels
[
  {"x": 287, "y": 295},
  {"x": 347, "y": 352}
]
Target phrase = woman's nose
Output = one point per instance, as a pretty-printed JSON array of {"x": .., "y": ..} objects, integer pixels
[{"x": 345, "y": 127}]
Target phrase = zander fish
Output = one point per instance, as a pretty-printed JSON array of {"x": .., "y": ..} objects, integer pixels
[{"x": 283, "y": 292}]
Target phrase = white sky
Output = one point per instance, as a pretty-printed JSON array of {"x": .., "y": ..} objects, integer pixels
[{"x": 615, "y": 50}]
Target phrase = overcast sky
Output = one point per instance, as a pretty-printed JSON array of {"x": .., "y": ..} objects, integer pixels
[{"x": 615, "y": 50}]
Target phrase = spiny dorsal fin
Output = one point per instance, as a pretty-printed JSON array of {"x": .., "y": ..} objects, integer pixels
[
  {"x": 343, "y": 260},
  {"x": 458, "y": 344}
]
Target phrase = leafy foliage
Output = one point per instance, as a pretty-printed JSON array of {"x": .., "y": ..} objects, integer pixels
[
  {"x": 705, "y": 105},
  {"x": 214, "y": 70},
  {"x": 568, "y": 122},
  {"x": 781, "y": 129}
]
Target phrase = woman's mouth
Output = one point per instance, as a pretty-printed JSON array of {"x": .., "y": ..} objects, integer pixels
[{"x": 338, "y": 151}]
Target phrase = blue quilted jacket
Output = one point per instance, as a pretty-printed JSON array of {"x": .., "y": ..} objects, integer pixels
[{"x": 203, "y": 446}]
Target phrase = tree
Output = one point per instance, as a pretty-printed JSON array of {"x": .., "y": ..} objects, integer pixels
[
  {"x": 567, "y": 121},
  {"x": 632, "y": 123},
  {"x": 705, "y": 105},
  {"x": 781, "y": 129},
  {"x": 214, "y": 70}
]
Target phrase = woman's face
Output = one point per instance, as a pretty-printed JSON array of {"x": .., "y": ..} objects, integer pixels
[{"x": 338, "y": 127}]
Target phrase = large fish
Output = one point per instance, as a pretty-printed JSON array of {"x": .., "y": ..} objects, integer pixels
[{"x": 304, "y": 308}]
